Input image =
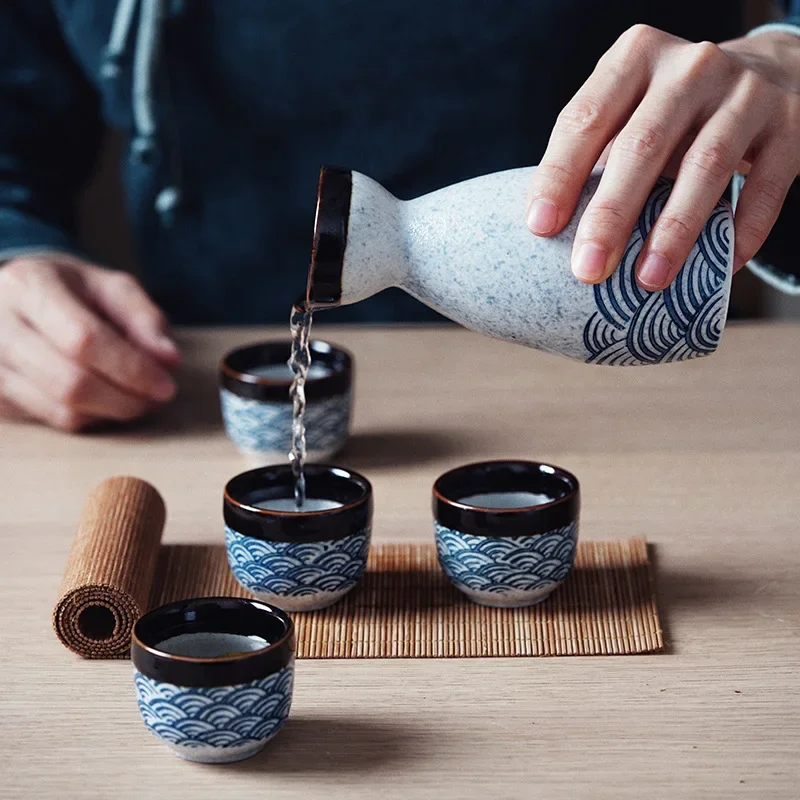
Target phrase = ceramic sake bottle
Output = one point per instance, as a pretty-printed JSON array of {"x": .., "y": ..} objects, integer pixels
[{"x": 465, "y": 251}]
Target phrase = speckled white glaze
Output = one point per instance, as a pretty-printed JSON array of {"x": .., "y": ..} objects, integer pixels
[
  {"x": 209, "y": 754},
  {"x": 465, "y": 251}
]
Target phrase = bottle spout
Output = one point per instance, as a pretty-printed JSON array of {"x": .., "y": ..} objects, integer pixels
[{"x": 324, "y": 289}]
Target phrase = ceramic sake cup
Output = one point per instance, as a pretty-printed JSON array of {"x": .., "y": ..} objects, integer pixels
[
  {"x": 214, "y": 676},
  {"x": 257, "y": 410},
  {"x": 506, "y": 531},
  {"x": 300, "y": 560}
]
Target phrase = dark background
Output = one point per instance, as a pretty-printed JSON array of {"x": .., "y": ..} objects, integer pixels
[{"x": 105, "y": 233}]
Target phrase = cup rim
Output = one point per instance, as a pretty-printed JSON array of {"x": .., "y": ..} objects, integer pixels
[
  {"x": 239, "y": 381},
  {"x": 225, "y": 670},
  {"x": 296, "y": 526},
  {"x": 519, "y": 521}
]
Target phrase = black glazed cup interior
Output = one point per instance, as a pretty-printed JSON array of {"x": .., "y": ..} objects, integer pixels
[
  {"x": 236, "y": 371},
  {"x": 212, "y": 615},
  {"x": 344, "y": 486},
  {"x": 506, "y": 476}
]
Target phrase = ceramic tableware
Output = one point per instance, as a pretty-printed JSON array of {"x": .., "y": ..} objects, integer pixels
[
  {"x": 506, "y": 531},
  {"x": 301, "y": 560},
  {"x": 257, "y": 410},
  {"x": 214, "y": 676},
  {"x": 465, "y": 251}
]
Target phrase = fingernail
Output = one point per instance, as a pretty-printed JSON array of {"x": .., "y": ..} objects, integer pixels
[
  {"x": 653, "y": 272},
  {"x": 163, "y": 388},
  {"x": 589, "y": 264},
  {"x": 167, "y": 345},
  {"x": 542, "y": 217}
]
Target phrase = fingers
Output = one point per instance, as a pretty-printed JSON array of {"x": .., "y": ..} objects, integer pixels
[
  {"x": 35, "y": 403},
  {"x": 703, "y": 176},
  {"x": 123, "y": 300},
  {"x": 657, "y": 104},
  {"x": 72, "y": 386},
  {"x": 603, "y": 160},
  {"x": 674, "y": 164},
  {"x": 48, "y": 305},
  {"x": 8, "y": 411},
  {"x": 638, "y": 156},
  {"x": 584, "y": 128},
  {"x": 761, "y": 199},
  {"x": 65, "y": 357}
]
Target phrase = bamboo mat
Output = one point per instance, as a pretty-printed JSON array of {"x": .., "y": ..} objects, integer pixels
[{"x": 404, "y": 606}]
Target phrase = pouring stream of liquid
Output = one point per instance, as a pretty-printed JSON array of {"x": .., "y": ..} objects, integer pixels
[{"x": 299, "y": 362}]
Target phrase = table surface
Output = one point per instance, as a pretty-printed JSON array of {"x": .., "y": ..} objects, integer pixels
[{"x": 702, "y": 458}]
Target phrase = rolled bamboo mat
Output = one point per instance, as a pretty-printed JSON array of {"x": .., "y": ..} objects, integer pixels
[
  {"x": 110, "y": 569},
  {"x": 404, "y": 606}
]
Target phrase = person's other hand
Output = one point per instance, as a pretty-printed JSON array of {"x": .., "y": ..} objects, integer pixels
[
  {"x": 659, "y": 104},
  {"x": 79, "y": 344}
]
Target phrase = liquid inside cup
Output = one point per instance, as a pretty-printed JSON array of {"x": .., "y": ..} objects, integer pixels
[
  {"x": 282, "y": 372},
  {"x": 211, "y": 645},
  {"x": 290, "y": 504},
  {"x": 506, "y": 499}
]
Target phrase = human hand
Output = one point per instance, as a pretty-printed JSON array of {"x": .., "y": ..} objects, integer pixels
[
  {"x": 658, "y": 104},
  {"x": 79, "y": 344}
]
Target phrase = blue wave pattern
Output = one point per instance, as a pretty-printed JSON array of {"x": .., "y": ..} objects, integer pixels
[
  {"x": 297, "y": 569},
  {"x": 257, "y": 426},
  {"x": 503, "y": 565},
  {"x": 632, "y": 326},
  {"x": 221, "y": 716}
]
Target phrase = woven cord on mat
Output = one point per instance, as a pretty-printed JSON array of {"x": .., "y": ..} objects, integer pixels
[
  {"x": 404, "y": 606},
  {"x": 110, "y": 568}
]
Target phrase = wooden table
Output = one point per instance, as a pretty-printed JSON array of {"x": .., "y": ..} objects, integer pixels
[{"x": 701, "y": 458}]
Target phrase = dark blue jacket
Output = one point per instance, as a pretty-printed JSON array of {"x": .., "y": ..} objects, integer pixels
[{"x": 229, "y": 107}]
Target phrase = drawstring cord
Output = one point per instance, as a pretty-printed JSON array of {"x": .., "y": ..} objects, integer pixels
[
  {"x": 145, "y": 68},
  {"x": 118, "y": 40}
]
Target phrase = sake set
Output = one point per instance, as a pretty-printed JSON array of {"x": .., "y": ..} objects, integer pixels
[{"x": 214, "y": 676}]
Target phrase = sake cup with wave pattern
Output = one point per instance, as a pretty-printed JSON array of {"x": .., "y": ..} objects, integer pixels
[
  {"x": 506, "y": 531},
  {"x": 257, "y": 410},
  {"x": 214, "y": 676},
  {"x": 301, "y": 560}
]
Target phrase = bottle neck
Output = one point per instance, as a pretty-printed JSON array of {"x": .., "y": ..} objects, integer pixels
[{"x": 376, "y": 254}]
